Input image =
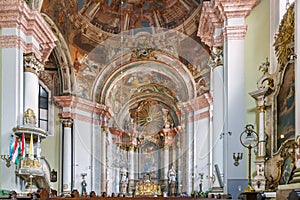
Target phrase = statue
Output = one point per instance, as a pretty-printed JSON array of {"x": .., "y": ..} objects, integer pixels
[
  {"x": 124, "y": 178},
  {"x": 172, "y": 175},
  {"x": 123, "y": 182}
]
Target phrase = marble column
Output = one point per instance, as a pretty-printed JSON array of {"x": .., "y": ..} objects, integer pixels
[
  {"x": 174, "y": 157},
  {"x": 67, "y": 155},
  {"x": 189, "y": 162},
  {"x": 179, "y": 167},
  {"x": 166, "y": 165},
  {"x": 217, "y": 145},
  {"x": 32, "y": 67},
  {"x": 103, "y": 160},
  {"x": 126, "y": 22},
  {"x": 96, "y": 157},
  {"x": 157, "y": 23},
  {"x": 131, "y": 169}
]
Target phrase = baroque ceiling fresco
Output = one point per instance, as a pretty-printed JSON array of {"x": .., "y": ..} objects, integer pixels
[{"x": 139, "y": 58}]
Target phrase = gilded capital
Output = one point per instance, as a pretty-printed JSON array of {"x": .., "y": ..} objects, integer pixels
[
  {"x": 32, "y": 64},
  {"x": 131, "y": 147},
  {"x": 261, "y": 108},
  {"x": 216, "y": 57}
]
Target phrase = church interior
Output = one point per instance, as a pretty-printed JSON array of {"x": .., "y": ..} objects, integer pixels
[{"x": 150, "y": 98}]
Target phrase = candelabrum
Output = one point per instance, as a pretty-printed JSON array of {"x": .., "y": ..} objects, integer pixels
[
  {"x": 6, "y": 159},
  {"x": 201, "y": 182},
  {"x": 236, "y": 158},
  {"x": 83, "y": 184},
  {"x": 249, "y": 139}
]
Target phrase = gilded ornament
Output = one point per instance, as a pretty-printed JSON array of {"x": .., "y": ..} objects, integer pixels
[
  {"x": 284, "y": 39},
  {"x": 33, "y": 164},
  {"x": 143, "y": 54},
  {"x": 216, "y": 58},
  {"x": 29, "y": 117}
]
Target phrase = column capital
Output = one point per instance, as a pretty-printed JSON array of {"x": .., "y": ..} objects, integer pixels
[
  {"x": 216, "y": 57},
  {"x": 32, "y": 64},
  {"x": 260, "y": 97},
  {"x": 67, "y": 123},
  {"x": 261, "y": 108}
]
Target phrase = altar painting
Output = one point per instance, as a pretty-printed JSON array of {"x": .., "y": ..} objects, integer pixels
[
  {"x": 149, "y": 160},
  {"x": 286, "y": 107}
]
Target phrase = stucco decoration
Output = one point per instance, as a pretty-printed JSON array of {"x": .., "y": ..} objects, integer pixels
[{"x": 215, "y": 12}]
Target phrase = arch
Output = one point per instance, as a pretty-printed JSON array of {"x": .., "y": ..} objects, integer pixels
[
  {"x": 62, "y": 58},
  {"x": 165, "y": 64}
]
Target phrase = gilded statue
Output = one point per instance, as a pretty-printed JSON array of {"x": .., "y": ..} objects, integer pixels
[{"x": 29, "y": 117}]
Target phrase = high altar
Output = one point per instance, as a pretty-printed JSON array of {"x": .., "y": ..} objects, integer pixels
[{"x": 147, "y": 187}]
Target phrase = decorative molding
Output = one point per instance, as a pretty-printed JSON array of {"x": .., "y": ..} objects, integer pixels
[
  {"x": 196, "y": 104},
  {"x": 82, "y": 105},
  {"x": 235, "y": 32},
  {"x": 211, "y": 19},
  {"x": 10, "y": 41},
  {"x": 215, "y": 12},
  {"x": 32, "y": 64},
  {"x": 237, "y": 9},
  {"x": 67, "y": 122},
  {"x": 216, "y": 57},
  {"x": 17, "y": 14}
]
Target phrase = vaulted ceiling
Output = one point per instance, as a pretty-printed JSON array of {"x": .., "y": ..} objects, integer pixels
[{"x": 129, "y": 54}]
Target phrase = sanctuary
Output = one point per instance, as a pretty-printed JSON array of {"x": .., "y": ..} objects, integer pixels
[{"x": 156, "y": 98}]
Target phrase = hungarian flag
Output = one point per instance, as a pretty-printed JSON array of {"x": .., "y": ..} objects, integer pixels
[
  {"x": 23, "y": 146},
  {"x": 15, "y": 155},
  {"x": 31, "y": 155}
]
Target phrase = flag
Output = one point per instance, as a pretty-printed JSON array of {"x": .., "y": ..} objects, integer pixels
[
  {"x": 11, "y": 147},
  {"x": 31, "y": 156},
  {"x": 23, "y": 146},
  {"x": 15, "y": 155}
]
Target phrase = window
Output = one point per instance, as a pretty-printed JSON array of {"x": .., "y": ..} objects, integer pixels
[{"x": 43, "y": 108}]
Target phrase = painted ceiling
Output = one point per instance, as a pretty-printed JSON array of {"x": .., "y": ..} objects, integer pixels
[{"x": 131, "y": 53}]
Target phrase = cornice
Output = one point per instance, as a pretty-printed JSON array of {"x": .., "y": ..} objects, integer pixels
[
  {"x": 210, "y": 20},
  {"x": 211, "y": 28},
  {"x": 196, "y": 104},
  {"x": 83, "y": 105},
  {"x": 237, "y": 9},
  {"x": 17, "y": 14},
  {"x": 235, "y": 32}
]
